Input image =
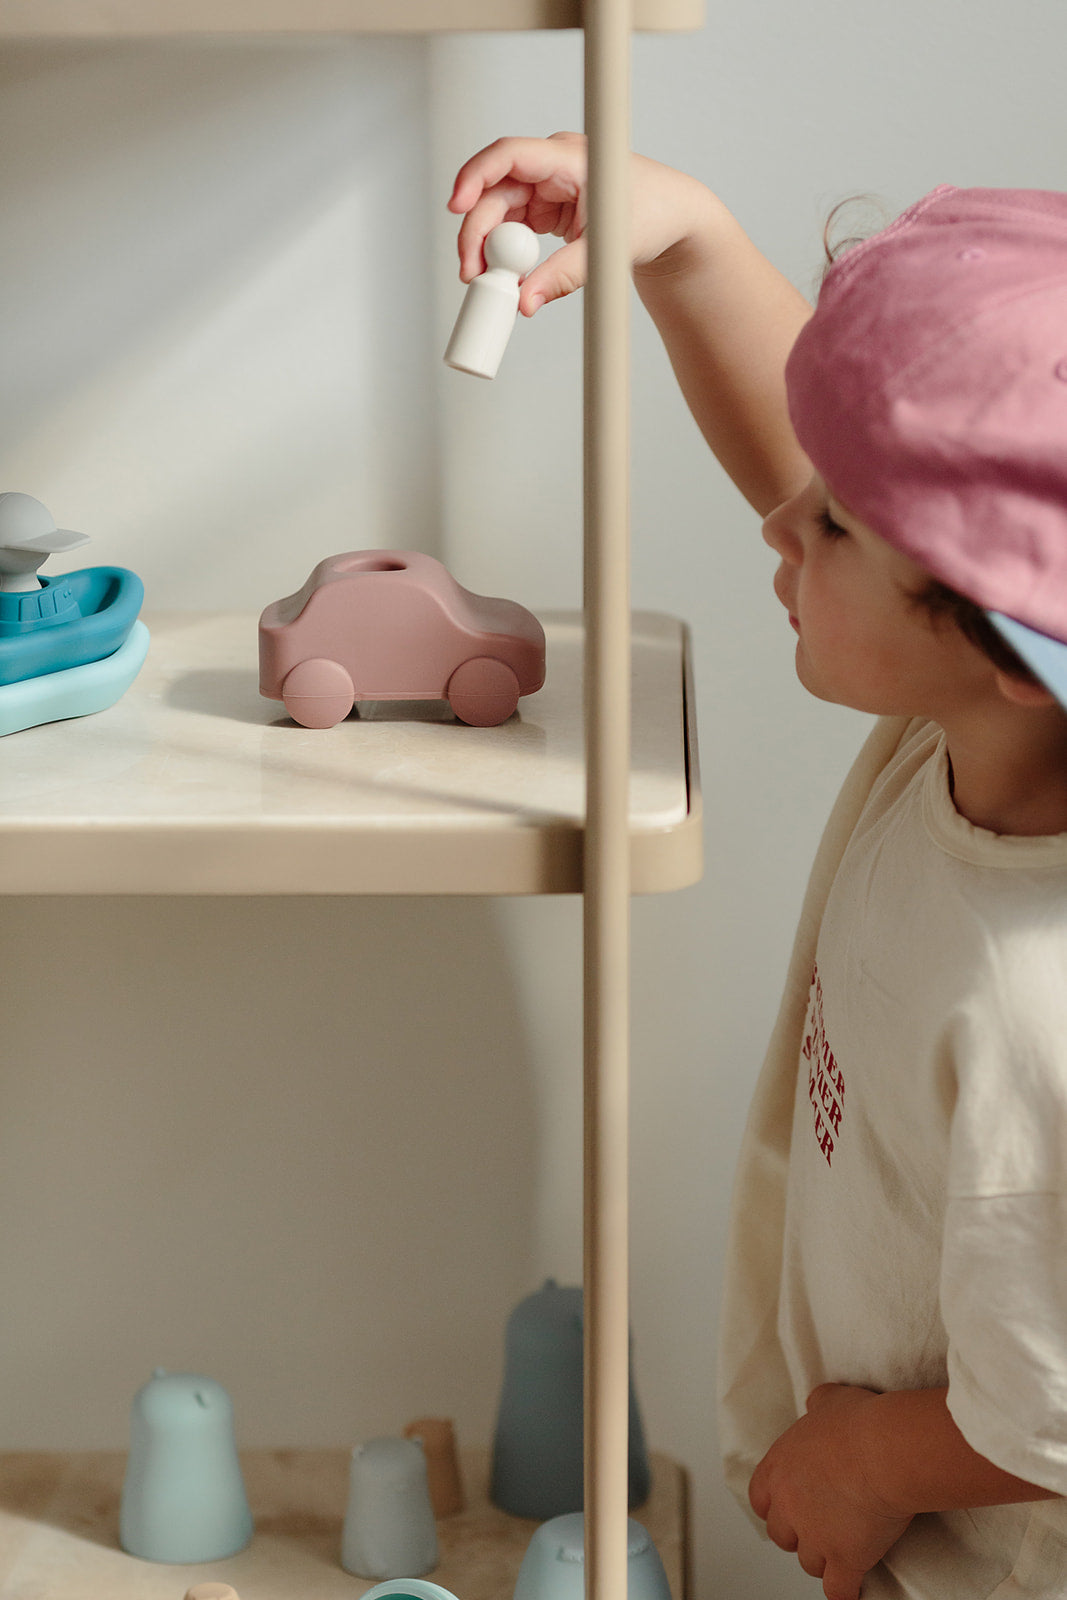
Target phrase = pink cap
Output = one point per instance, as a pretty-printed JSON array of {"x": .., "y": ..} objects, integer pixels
[{"x": 930, "y": 391}]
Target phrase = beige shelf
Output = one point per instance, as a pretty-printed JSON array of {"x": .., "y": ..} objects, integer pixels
[
  {"x": 194, "y": 784},
  {"x": 104, "y": 19},
  {"x": 59, "y": 1532}
]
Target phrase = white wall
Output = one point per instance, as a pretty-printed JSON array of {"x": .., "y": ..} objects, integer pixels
[
  {"x": 214, "y": 323},
  {"x": 319, "y": 1149},
  {"x": 287, "y": 1143}
]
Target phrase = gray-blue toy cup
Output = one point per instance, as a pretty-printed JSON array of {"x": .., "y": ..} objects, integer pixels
[
  {"x": 538, "y": 1466},
  {"x": 389, "y": 1527},
  {"x": 553, "y": 1567}
]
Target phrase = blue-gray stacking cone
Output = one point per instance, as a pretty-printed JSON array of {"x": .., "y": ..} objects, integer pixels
[{"x": 537, "y": 1466}]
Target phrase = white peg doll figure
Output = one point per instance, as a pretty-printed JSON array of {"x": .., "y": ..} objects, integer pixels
[{"x": 491, "y": 303}]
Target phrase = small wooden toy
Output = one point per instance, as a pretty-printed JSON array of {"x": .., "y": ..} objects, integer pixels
[
  {"x": 438, "y": 1439},
  {"x": 395, "y": 625},
  {"x": 491, "y": 303}
]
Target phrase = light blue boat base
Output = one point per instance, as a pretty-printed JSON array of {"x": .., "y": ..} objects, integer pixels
[{"x": 73, "y": 691}]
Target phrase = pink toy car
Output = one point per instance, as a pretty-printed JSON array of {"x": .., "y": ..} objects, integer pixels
[{"x": 395, "y": 625}]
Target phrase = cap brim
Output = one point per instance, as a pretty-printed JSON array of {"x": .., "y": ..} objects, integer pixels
[
  {"x": 1046, "y": 657},
  {"x": 54, "y": 543}
]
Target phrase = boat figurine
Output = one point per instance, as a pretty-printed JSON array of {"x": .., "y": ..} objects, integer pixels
[{"x": 69, "y": 645}]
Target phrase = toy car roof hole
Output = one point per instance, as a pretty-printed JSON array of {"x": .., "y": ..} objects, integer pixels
[{"x": 370, "y": 562}]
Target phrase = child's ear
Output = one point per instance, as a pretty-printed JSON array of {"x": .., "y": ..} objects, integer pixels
[{"x": 1023, "y": 691}]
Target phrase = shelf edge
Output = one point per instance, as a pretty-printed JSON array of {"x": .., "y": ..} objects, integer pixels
[{"x": 146, "y": 19}]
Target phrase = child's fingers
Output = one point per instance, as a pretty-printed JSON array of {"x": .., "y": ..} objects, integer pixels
[
  {"x": 759, "y": 1491},
  {"x": 840, "y": 1582},
  {"x": 505, "y": 202},
  {"x": 559, "y": 274},
  {"x": 557, "y": 165},
  {"x": 483, "y": 171}
]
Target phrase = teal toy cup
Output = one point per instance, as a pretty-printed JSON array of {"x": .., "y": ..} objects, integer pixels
[{"x": 408, "y": 1589}]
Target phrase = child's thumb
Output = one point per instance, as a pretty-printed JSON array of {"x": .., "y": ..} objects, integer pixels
[{"x": 559, "y": 274}]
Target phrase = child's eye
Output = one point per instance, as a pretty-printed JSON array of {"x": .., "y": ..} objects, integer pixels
[{"x": 832, "y": 529}]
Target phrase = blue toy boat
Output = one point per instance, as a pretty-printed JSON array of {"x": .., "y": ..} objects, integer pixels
[
  {"x": 67, "y": 622},
  {"x": 71, "y": 646}
]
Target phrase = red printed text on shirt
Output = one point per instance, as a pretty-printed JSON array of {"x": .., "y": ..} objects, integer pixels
[{"x": 826, "y": 1087}]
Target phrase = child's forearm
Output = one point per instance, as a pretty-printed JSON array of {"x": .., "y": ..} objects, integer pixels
[
  {"x": 841, "y": 1485},
  {"x": 727, "y": 317},
  {"x": 728, "y": 320},
  {"x": 918, "y": 1460}
]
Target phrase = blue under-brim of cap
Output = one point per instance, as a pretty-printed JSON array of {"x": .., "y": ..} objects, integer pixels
[{"x": 1046, "y": 657}]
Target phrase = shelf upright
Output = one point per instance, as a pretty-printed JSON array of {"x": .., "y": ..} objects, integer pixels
[{"x": 606, "y": 897}]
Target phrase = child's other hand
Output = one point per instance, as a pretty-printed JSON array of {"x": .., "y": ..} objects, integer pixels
[
  {"x": 811, "y": 1491},
  {"x": 542, "y": 182}
]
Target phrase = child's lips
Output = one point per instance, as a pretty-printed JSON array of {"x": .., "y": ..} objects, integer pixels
[{"x": 780, "y": 585}]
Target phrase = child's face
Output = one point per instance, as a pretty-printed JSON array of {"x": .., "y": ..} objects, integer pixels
[{"x": 862, "y": 640}]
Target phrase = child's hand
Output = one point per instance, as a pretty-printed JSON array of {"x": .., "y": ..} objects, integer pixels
[
  {"x": 811, "y": 1490},
  {"x": 542, "y": 182}
]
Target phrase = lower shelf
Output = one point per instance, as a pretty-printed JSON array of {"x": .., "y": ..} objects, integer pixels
[{"x": 59, "y": 1532}]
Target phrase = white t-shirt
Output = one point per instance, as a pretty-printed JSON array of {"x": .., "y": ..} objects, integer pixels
[{"x": 900, "y": 1216}]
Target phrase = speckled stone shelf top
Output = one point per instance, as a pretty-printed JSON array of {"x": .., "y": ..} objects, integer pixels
[
  {"x": 59, "y": 1532},
  {"x": 194, "y": 784}
]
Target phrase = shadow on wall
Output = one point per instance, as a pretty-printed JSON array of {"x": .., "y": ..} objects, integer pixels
[
  {"x": 214, "y": 322},
  {"x": 285, "y": 1143}
]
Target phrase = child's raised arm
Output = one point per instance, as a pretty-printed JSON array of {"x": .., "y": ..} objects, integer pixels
[{"x": 727, "y": 317}]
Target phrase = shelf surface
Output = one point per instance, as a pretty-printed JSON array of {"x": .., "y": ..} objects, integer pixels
[
  {"x": 103, "y": 19},
  {"x": 59, "y": 1532},
  {"x": 194, "y": 784}
]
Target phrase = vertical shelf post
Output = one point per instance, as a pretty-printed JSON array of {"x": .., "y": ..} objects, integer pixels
[{"x": 606, "y": 879}]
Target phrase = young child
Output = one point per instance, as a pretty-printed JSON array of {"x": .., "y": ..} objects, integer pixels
[{"x": 894, "y": 1349}]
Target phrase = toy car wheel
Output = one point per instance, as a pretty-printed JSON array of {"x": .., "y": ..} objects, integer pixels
[
  {"x": 318, "y": 693},
  {"x": 483, "y": 692}
]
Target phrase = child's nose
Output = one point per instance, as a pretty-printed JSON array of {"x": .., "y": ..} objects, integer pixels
[{"x": 780, "y": 533}]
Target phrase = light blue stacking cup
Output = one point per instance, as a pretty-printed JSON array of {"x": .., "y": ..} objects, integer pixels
[
  {"x": 553, "y": 1567},
  {"x": 183, "y": 1499}
]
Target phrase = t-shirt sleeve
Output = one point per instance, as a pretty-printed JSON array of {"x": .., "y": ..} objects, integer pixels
[
  {"x": 1005, "y": 1304},
  {"x": 1004, "y": 1265}
]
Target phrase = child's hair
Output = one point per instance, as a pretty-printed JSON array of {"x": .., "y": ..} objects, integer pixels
[
  {"x": 873, "y": 217},
  {"x": 939, "y": 601}
]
